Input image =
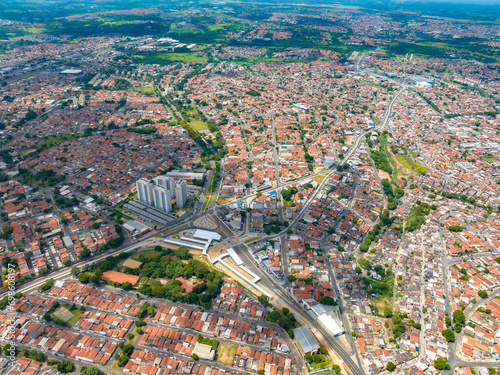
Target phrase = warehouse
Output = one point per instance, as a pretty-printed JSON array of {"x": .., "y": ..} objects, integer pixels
[{"x": 306, "y": 340}]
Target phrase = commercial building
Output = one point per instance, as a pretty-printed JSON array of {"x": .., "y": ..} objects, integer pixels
[
  {"x": 181, "y": 194},
  {"x": 330, "y": 323}
]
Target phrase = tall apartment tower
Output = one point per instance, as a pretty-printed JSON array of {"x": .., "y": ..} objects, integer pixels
[
  {"x": 166, "y": 182},
  {"x": 162, "y": 198},
  {"x": 145, "y": 191},
  {"x": 181, "y": 193}
]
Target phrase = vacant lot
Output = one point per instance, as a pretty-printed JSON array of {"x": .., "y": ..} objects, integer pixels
[
  {"x": 411, "y": 164},
  {"x": 63, "y": 314},
  {"x": 198, "y": 125},
  {"x": 226, "y": 353}
]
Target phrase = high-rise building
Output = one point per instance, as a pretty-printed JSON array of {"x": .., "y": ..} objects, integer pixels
[
  {"x": 181, "y": 193},
  {"x": 162, "y": 198},
  {"x": 167, "y": 182},
  {"x": 145, "y": 191}
]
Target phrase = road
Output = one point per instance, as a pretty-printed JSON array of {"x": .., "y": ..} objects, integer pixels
[{"x": 282, "y": 296}]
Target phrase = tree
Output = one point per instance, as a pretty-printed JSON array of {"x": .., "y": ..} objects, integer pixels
[
  {"x": 7, "y": 229},
  {"x": 84, "y": 278},
  {"x": 459, "y": 317},
  {"x": 483, "y": 294},
  {"x": 65, "y": 367},
  {"x": 96, "y": 277},
  {"x": 448, "y": 335},
  {"x": 7, "y": 350},
  {"x": 74, "y": 271},
  {"x": 358, "y": 270},
  {"x": 390, "y": 366},
  {"x": 122, "y": 360},
  {"x": 363, "y": 248},
  {"x": 195, "y": 356},
  {"x": 441, "y": 364},
  {"x": 387, "y": 312},
  {"x": 264, "y": 299},
  {"x": 328, "y": 301},
  {"x": 261, "y": 372},
  {"x": 85, "y": 253},
  {"x": 90, "y": 371}
]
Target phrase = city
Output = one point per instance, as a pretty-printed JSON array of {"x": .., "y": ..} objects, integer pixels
[{"x": 227, "y": 188}]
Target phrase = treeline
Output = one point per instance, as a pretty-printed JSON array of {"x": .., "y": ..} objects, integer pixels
[
  {"x": 393, "y": 194},
  {"x": 215, "y": 178},
  {"x": 95, "y": 28},
  {"x": 417, "y": 216},
  {"x": 43, "y": 178},
  {"x": 171, "y": 264},
  {"x": 142, "y": 129},
  {"x": 285, "y": 320},
  {"x": 380, "y": 160}
]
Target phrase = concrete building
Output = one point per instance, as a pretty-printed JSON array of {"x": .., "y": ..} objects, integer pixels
[
  {"x": 145, "y": 192},
  {"x": 181, "y": 193},
  {"x": 162, "y": 198},
  {"x": 204, "y": 351},
  {"x": 167, "y": 182},
  {"x": 187, "y": 176}
]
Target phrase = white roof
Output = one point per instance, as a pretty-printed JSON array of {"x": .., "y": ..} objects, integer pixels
[
  {"x": 235, "y": 257},
  {"x": 207, "y": 235},
  {"x": 330, "y": 324},
  {"x": 71, "y": 71}
]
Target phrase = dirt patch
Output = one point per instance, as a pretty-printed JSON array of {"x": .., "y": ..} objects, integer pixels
[
  {"x": 402, "y": 169},
  {"x": 63, "y": 314},
  {"x": 383, "y": 175}
]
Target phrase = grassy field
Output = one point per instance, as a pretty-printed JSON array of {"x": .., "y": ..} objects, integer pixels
[
  {"x": 226, "y": 353},
  {"x": 222, "y": 200},
  {"x": 36, "y": 30},
  {"x": 198, "y": 125},
  {"x": 252, "y": 239},
  {"x": 490, "y": 159},
  {"x": 55, "y": 140},
  {"x": 27, "y": 151},
  {"x": 319, "y": 365},
  {"x": 144, "y": 90},
  {"x": 220, "y": 26},
  {"x": 172, "y": 230},
  {"x": 411, "y": 164},
  {"x": 147, "y": 253},
  {"x": 166, "y": 57},
  {"x": 208, "y": 200},
  {"x": 331, "y": 372},
  {"x": 319, "y": 179},
  {"x": 380, "y": 303},
  {"x": 75, "y": 317}
]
